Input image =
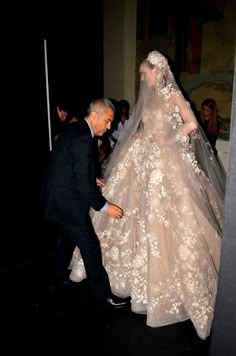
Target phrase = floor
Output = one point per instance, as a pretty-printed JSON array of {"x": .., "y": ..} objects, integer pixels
[{"x": 36, "y": 322}]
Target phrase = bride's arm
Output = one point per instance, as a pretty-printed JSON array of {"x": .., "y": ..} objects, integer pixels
[{"x": 189, "y": 120}]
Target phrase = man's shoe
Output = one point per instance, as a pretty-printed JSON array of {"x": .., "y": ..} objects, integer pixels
[{"x": 116, "y": 302}]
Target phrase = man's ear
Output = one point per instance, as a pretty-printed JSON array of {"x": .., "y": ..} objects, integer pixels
[{"x": 94, "y": 115}]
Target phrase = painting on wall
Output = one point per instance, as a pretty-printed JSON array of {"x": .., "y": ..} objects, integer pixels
[
  {"x": 194, "y": 46},
  {"x": 201, "y": 12},
  {"x": 218, "y": 86},
  {"x": 224, "y": 129}
]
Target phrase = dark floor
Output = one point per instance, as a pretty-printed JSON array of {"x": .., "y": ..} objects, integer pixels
[{"x": 35, "y": 322}]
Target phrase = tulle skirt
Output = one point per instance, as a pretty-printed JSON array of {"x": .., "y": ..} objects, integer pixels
[{"x": 164, "y": 252}]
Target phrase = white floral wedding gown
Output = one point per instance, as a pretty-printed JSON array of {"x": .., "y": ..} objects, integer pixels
[{"x": 164, "y": 252}]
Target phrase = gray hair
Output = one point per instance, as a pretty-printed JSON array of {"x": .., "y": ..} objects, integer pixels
[{"x": 100, "y": 106}]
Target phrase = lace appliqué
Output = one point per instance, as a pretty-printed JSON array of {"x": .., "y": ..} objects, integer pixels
[{"x": 163, "y": 252}]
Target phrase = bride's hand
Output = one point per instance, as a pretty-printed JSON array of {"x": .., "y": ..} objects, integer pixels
[{"x": 100, "y": 182}]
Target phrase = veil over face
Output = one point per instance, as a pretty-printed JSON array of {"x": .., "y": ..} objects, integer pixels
[{"x": 147, "y": 74}]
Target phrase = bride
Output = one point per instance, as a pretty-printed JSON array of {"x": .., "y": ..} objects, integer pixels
[{"x": 165, "y": 251}]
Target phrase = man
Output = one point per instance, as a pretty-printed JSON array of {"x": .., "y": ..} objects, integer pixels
[{"x": 71, "y": 190}]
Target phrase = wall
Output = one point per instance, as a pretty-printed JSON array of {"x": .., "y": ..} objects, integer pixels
[
  {"x": 120, "y": 49},
  {"x": 199, "y": 39},
  {"x": 217, "y": 63}
]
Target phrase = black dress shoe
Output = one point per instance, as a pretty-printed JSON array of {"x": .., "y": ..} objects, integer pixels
[{"x": 116, "y": 302}]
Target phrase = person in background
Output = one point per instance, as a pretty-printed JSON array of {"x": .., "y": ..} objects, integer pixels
[
  {"x": 123, "y": 108},
  {"x": 210, "y": 122},
  {"x": 65, "y": 117},
  {"x": 104, "y": 150}
]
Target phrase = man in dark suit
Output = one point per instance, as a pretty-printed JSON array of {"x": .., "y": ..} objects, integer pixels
[{"x": 70, "y": 190}]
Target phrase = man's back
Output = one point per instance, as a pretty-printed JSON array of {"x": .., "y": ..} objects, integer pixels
[
  {"x": 61, "y": 170},
  {"x": 70, "y": 188}
]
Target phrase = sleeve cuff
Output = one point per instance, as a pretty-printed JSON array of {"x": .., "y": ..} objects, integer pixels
[{"x": 104, "y": 207}]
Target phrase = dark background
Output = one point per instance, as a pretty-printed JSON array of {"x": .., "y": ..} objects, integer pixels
[
  {"x": 75, "y": 73},
  {"x": 74, "y": 35}
]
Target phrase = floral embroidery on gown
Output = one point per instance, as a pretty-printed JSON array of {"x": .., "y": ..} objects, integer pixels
[{"x": 164, "y": 252}]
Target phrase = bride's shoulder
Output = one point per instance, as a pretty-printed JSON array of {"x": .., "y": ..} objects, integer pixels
[{"x": 179, "y": 100}]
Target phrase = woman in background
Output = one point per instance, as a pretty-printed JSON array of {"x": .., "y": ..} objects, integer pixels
[{"x": 210, "y": 121}]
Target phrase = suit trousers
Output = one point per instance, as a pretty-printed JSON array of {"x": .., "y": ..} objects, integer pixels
[{"x": 84, "y": 237}]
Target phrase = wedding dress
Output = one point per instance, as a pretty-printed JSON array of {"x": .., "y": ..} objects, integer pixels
[{"x": 165, "y": 251}]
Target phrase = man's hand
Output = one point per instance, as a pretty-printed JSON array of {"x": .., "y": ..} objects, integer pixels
[{"x": 114, "y": 211}]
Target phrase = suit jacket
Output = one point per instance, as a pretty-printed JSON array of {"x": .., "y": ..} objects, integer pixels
[{"x": 70, "y": 185}]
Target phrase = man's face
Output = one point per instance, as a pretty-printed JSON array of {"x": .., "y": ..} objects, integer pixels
[{"x": 102, "y": 123}]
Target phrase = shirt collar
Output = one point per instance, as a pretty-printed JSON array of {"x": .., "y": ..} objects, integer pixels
[{"x": 92, "y": 133}]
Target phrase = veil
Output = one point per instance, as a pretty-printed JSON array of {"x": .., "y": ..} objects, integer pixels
[
  {"x": 164, "y": 82},
  {"x": 131, "y": 128},
  {"x": 209, "y": 175}
]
